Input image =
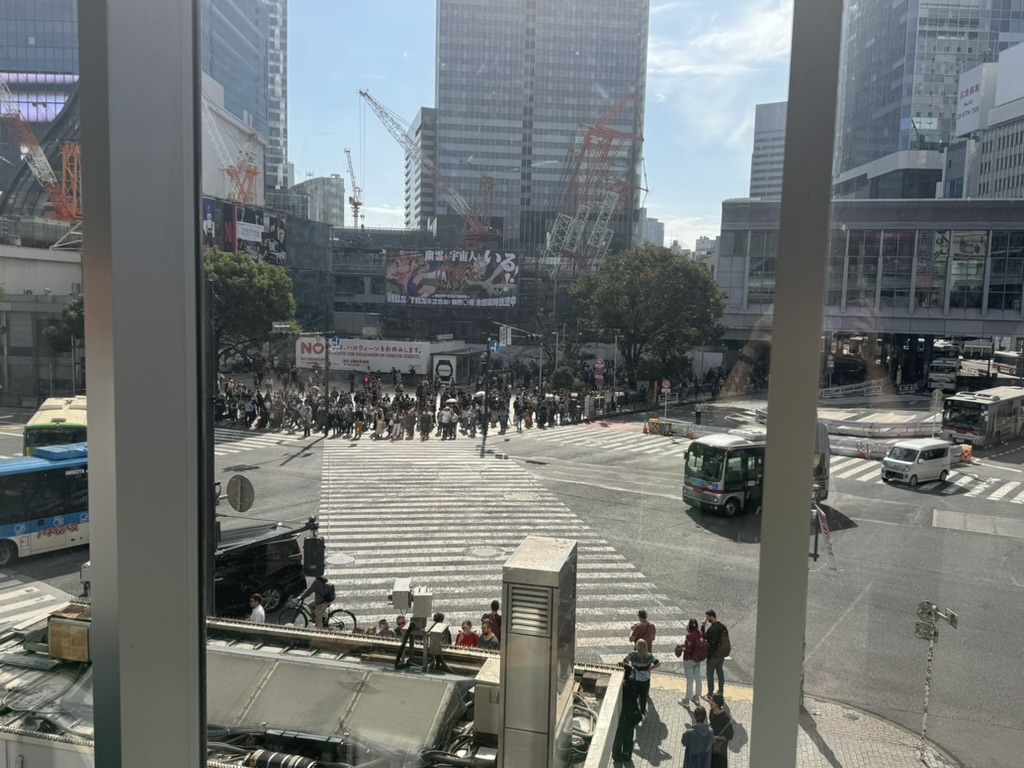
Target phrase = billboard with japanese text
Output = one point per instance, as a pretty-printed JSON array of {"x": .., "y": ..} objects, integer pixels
[
  {"x": 364, "y": 354},
  {"x": 453, "y": 278},
  {"x": 255, "y": 231}
]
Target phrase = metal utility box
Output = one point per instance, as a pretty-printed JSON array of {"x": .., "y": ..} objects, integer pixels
[
  {"x": 538, "y": 654},
  {"x": 486, "y": 702}
]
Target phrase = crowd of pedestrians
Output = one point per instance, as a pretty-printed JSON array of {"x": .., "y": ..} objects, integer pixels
[
  {"x": 287, "y": 400},
  {"x": 706, "y": 738}
]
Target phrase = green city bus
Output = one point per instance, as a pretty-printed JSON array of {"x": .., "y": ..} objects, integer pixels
[{"x": 59, "y": 421}]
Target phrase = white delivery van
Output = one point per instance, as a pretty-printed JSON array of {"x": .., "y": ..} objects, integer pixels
[{"x": 917, "y": 461}]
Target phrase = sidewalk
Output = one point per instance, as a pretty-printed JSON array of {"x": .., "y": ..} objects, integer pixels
[{"x": 831, "y": 735}]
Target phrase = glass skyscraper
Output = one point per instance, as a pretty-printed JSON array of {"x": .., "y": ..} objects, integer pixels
[
  {"x": 39, "y": 64},
  {"x": 235, "y": 36},
  {"x": 901, "y": 61},
  {"x": 516, "y": 81}
]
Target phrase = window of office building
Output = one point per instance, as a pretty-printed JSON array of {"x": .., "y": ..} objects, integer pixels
[
  {"x": 761, "y": 276},
  {"x": 836, "y": 268},
  {"x": 932, "y": 258},
  {"x": 897, "y": 263},
  {"x": 862, "y": 267},
  {"x": 969, "y": 252},
  {"x": 1006, "y": 281}
]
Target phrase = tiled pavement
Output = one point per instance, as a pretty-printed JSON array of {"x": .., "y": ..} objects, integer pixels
[{"x": 830, "y": 734}]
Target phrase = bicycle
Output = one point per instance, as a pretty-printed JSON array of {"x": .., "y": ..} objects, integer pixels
[{"x": 300, "y": 614}]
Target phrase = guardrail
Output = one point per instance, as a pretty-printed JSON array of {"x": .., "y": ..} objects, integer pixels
[{"x": 875, "y": 387}]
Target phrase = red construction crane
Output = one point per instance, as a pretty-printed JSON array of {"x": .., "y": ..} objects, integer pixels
[
  {"x": 478, "y": 229},
  {"x": 594, "y": 193},
  {"x": 65, "y": 208},
  {"x": 356, "y": 198}
]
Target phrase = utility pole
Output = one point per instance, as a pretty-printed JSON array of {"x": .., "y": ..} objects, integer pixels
[
  {"x": 327, "y": 341},
  {"x": 925, "y": 629}
]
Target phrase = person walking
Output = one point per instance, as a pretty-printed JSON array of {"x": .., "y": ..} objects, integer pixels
[
  {"x": 259, "y": 614},
  {"x": 691, "y": 664},
  {"x": 722, "y": 727},
  {"x": 641, "y": 661},
  {"x": 719, "y": 646},
  {"x": 643, "y": 630},
  {"x": 697, "y": 739}
]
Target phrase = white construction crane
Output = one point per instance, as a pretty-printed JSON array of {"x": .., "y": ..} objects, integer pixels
[{"x": 356, "y": 198}]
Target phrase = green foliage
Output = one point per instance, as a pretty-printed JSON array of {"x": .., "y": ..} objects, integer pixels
[
  {"x": 562, "y": 378},
  {"x": 661, "y": 304},
  {"x": 70, "y": 325},
  {"x": 248, "y": 298}
]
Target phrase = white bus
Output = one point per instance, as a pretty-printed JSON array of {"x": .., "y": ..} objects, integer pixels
[
  {"x": 942, "y": 374},
  {"x": 986, "y": 417},
  {"x": 725, "y": 473},
  {"x": 1008, "y": 364}
]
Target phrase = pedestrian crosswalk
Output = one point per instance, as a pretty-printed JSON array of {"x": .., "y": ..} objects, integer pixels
[
  {"x": 21, "y": 601},
  {"x": 960, "y": 482},
  {"x": 229, "y": 441},
  {"x": 623, "y": 438},
  {"x": 449, "y": 519}
]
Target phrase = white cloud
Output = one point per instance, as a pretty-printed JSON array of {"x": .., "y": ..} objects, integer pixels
[
  {"x": 383, "y": 216},
  {"x": 686, "y": 229},
  {"x": 715, "y": 75}
]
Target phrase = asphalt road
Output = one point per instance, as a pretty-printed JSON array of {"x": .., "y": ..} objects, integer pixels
[
  {"x": 889, "y": 555},
  {"x": 861, "y": 646}
]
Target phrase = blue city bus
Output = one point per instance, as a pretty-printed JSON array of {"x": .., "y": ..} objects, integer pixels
[{"x": 44, "y": 501}]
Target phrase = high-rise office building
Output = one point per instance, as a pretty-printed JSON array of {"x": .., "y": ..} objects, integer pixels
[
  {"x": 276, "y": 167},
  {"x": 326, "y": 195},
  {"x": 901, "y": 61},
  {"x": 652, "y": 231},
  {"x": 516, "y": 80},
  {"x": 420, "y": 187},
  {"x": 769, "y": 145},
  {"x": 234, "y": 52}
]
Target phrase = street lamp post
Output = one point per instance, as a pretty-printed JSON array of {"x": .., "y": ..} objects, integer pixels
[
  {"x": 555, "y": 334},
  {"x": 615, "y": 365}
]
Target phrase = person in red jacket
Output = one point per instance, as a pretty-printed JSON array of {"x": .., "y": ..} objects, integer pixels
[
  {"x": 643, "y": 630},
  {"x": 467, "y": 638}
]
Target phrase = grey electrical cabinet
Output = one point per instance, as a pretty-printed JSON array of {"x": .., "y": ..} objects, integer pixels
[{"x": 538, "y": 654}]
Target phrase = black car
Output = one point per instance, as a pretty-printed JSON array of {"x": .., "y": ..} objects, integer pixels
[{"x": 267, "y": 560}]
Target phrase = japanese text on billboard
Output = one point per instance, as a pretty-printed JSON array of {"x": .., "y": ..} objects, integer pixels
[{"x": 453, "y": 278}]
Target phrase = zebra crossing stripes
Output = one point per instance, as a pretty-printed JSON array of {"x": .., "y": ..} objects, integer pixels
[
  {"x": 625, "y": 438},
  {"x": 957, "y": 482},
  {"x": 449, "y": 519},
  {"x": 21, "y": 601},
  {"x": 229, "y": 441}
]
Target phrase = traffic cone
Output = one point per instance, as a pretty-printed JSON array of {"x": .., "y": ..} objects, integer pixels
[{"x": 645, "y": 428}]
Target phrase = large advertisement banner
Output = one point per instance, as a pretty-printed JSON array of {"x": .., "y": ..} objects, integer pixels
[
  {"x": 234, "y": 228},
  {"x": 364, "y": 355},
  {"x": 453, "y": 278}
]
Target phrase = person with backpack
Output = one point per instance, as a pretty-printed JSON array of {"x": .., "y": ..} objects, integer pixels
[
  {"x": 719, "y": 646},
  {"x": 324, "y": 594},
  {"x": 722, "y": 727},
  {"x": 694, "y": 651}
]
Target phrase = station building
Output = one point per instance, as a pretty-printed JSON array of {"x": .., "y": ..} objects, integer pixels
[{"x": 901, "y": 274}]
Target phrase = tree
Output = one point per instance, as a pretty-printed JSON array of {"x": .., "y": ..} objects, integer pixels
[
  {"x": 661, "y": 305},
  {"x": 70, "y": 325},
  {"x": 248, "y": 298}
]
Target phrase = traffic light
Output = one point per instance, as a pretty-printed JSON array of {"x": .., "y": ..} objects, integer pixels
[{"x": 313, "y": 556}]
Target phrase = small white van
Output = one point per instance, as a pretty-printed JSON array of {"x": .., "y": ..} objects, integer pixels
[{"x": 917, "y": 461}]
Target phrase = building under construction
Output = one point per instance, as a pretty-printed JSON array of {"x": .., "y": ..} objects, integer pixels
[{"x": 551, "y": 111}]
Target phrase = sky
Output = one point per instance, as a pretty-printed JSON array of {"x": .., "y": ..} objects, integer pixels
[{"x": 709, "y": 62}]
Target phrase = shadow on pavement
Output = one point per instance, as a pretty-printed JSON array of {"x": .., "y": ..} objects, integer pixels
[
  {"x": 650, "y": 735},
  {"x": 810, "y": 727}
]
